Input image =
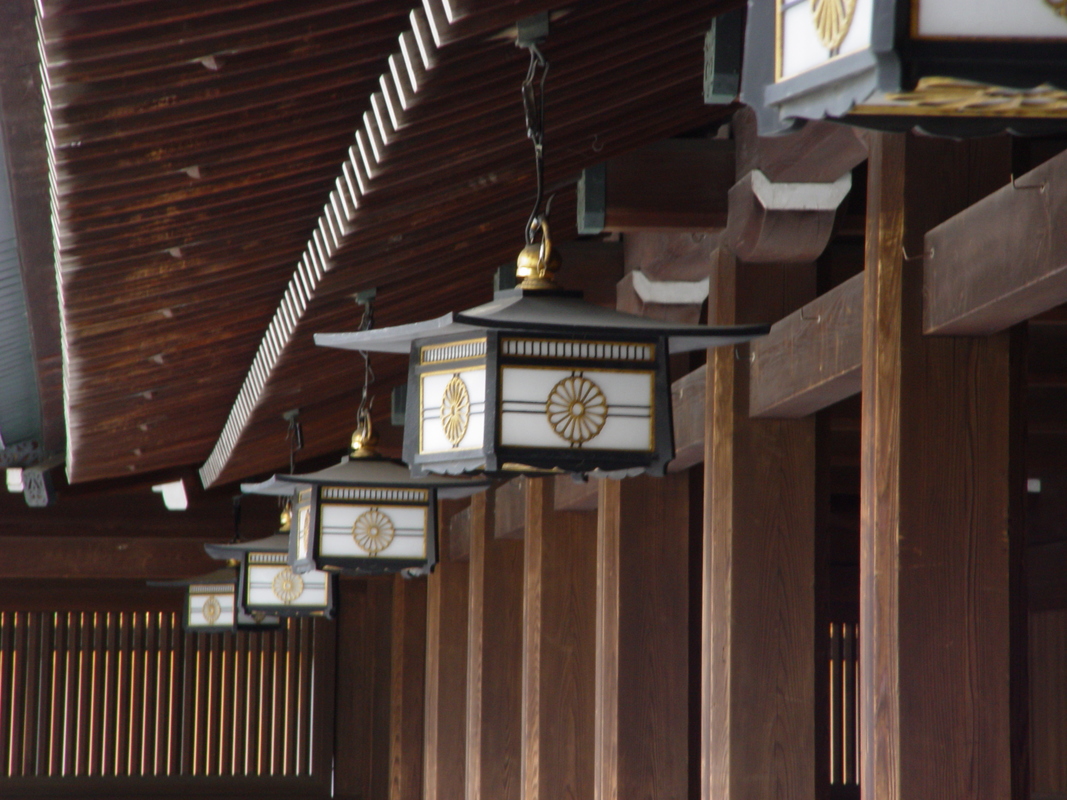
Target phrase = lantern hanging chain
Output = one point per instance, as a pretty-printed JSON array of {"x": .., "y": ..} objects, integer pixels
[
  {"x": 295, "y": 436},
  {"x": 363, "y": 414},
  {"x": 533, "y": 101}
]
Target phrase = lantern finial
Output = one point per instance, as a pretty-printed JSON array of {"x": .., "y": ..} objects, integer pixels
[
  {"x": 537, "y": 262},
  {"x": 364, "y": 439}
]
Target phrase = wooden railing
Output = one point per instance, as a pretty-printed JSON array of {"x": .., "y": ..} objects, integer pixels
[{"x": 129, "y": 694}]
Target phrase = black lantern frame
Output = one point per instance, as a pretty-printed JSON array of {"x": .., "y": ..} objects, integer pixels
[
  {"x": 367, "y": 516},
  {"x": 285, "y": 588},
  {"x": 211, "y": 604},
  {"x": 568, "y": 386},
  {"x": 902, "y": 79}
]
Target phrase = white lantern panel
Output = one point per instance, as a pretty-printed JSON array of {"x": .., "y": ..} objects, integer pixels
[
  {"x": 211, "y": 610},
  {"x": 303, "y": 528},
  {"x": 990, "y": 19},
  {"x": 365, "y": 531},
  {"x": 453, "y": 411},
  {"x": 806, "y": 41},
  {"x": 565, "y": 408},
  {"x": 274, "y": 585}
]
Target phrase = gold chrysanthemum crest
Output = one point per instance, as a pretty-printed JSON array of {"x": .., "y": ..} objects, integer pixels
[
  {"x": 373, "y": 531},
  {"x": 211, "y": 610},
  {"x": 287, "y": 586},
  {"x": 455, "y": 410},
  {"x": 832, "y": 19},
  {"x": 576, "y": 409}
]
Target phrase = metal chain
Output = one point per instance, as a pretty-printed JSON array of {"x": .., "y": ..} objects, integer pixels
[
  {"x": 533, "y": 101},
  {"x": 365, "y": 401}
]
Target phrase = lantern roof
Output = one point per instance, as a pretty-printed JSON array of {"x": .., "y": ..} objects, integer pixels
[
  {"x": 276, "y": 543},
  {"x": 381, "y": 471},
  {"x": 223, "y": 575},
  {"x": 273, "y": 487},
  {"x": 546, "y": 312}
]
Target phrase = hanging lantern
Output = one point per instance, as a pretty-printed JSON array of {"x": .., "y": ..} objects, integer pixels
[
  {"x": 211, "y": 604},
  {"x": 539, "y": 379},
  {"x": 266, "y": 584},
  {"x": 954, "y": 67},
  {"x": 367, "y": 515}
]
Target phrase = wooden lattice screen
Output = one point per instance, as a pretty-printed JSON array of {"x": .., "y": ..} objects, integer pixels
[
  {"x": 130, "y": 694},
  {"x": 844, "y": 706}
]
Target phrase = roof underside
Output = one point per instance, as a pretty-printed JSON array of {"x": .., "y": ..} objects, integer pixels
[{"x": 226, "y": 176}]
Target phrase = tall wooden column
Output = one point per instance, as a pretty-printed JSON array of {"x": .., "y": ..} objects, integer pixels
[
  {"x": 408, "y": 704},
  {"x": 446, "y": 675},
  {"x": 642, "y": 638},
  {"x": 494, "y": 659},
  {"x": 362, "y": 700},
  {"x": 559, "y": 648},
  {"x": 935, "y": 629},
  {"x": 758, "y": 722}
]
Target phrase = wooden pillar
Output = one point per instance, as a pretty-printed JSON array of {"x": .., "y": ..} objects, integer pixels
[
  {"x": 364, "y": 665},
  {"x": 758, "y": 721},
  {"x": 642, "y": 639},
  {"x": 446, "y": 675},
  {"x": 407, "y": 709},
  {"x": 494, "y": 659},
  {"x": 559, "y": 647},
  {"x": 935, "y": 632}
]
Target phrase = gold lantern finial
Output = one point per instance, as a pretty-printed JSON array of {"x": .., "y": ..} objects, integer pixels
[
  {"x": 538, "y": 263},
  {"x": 364, "y": 439}
]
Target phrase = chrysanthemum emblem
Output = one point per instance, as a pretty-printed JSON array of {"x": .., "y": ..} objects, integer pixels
[
  {"x": 373, "y": 531},
  {"x": 455, "y": 410},
  {"x": 211, "y": 610},
  {"x": 576, "y": 409},
  {"x": 286, "y": 586},
  {"x": 832, "y": 19}
]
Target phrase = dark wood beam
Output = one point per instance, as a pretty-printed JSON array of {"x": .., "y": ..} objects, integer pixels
[
  {"x": 820, "y": 152},
  {"x": 688, "y": 396},
  {"x": 575, "y": 495},
  {"x": 459, "y": 535},
  {"x": 446, "y": 675},
  {"x": 1001, "y": 260},
  {"x": 773, "y": 222},
  {"x": 939, "y": 520},
  {"x": 494, "y": 659},
  {"x": 1046, "y": 576},
  {"x": 407, "y": 709},
  {"x": 362, "y": 700},
  {"x": 642, "y": 634},
  {"x": 559, "y": 647},
  {"x": 102, "y": 557},
  {"x": 812, "y": 358},
  {"x": 670, "y": 255},
  {"x": 676, "y": 184},
  {"x": 1048, "y": 655},
  {"x": 509, "y": 516},
  {"x": 758, "y": 724}
]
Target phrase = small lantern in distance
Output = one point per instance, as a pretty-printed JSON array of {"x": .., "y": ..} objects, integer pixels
[
  {"x": 266, "y": 584},
  {"x": 211, "y": 604},
  {"x": 368, "y": 515}
]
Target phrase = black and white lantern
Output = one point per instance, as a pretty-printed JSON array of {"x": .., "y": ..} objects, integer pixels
[
  {"x": 367, "y": 515},
  {"x": 539, "y": 380},
  {"x": 211, "y": 604},
  {"x": 267, "y": 585},
  {"x": 959, "y": 67}
]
